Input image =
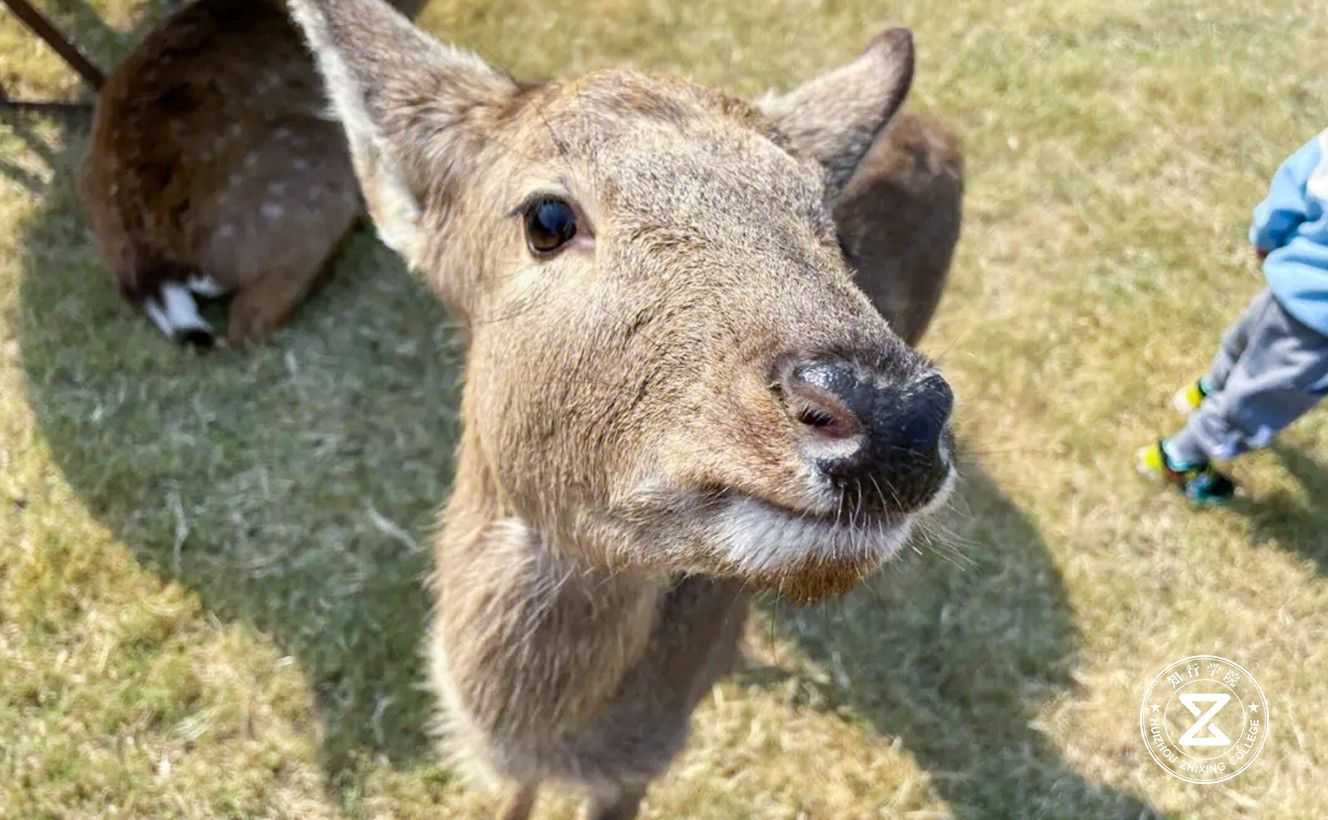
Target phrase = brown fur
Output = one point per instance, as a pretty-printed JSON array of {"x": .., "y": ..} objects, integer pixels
[
  {"x": 628, "y": 466},
  {"x": 899, "y": 219},
  {"x": 209, "y": 158}
]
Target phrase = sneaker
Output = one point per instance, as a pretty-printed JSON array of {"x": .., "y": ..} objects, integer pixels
[
  {"x": 1189, "y": 397},
  {"x": 1201, "y": 483}
]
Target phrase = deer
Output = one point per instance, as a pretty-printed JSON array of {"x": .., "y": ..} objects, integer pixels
[
  {"x": 211, "y": 171},
  {"x": 675, "y": 395},
  {"x": 899, "y": 218}
]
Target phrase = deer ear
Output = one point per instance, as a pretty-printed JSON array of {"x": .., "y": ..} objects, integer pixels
[
  {"x": 414, "y": 109},
  {"x": 835, "y": 117}
]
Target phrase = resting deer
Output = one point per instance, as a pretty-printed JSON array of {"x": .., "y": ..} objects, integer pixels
[
  {"x": 210, "y": 171},
  {"x": 674, "y": 393}
]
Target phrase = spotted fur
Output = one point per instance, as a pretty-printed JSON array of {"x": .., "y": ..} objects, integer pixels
[{"x": 210, "y": 160}]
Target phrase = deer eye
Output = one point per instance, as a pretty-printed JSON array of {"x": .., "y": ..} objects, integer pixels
[{"x": 550, "y": 224}]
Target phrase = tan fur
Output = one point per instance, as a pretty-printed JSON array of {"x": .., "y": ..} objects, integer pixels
[
  {"x": 210, "y": 158},
  {"x": 630, "y": 464}
]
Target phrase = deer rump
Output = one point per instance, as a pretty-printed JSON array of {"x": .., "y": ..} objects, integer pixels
[{"x": 213, "y": 170}]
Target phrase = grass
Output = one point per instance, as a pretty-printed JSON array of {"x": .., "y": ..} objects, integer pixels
[{"x": 210, "y": 597}]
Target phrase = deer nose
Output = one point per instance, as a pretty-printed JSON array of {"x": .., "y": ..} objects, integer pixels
[{"x": 861, "y": 427}]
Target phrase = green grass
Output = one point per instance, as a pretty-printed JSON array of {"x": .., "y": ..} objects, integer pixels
[{"x": 210, "y": 597}]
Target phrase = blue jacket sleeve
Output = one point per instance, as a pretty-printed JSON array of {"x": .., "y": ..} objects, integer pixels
[{"x": 1277, "y": 217}]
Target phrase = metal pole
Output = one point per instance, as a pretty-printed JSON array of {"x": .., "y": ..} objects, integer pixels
[{"x": 42, "y": 27}]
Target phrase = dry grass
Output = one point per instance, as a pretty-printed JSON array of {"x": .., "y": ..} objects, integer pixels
[{"x": 209, "y": 567}]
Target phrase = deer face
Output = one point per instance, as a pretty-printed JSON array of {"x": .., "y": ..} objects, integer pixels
[{"x": 669, "y": 365}]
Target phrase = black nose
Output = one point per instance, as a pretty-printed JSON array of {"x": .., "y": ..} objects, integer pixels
[{"x": 864, "y": 427}]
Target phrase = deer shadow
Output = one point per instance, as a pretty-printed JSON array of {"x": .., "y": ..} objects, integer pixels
[
  {"x": 955, "y": 658},
  {"x": 291, "y": 485},
  {"x": 1289, "y": 523}
]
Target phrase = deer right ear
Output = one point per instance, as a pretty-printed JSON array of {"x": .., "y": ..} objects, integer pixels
[
  {"x": 413, "y": 108},
  {"x": 835, "y": 117}
]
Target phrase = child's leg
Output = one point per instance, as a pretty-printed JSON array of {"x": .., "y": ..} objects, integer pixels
[
  {"x": 1235, "y": 340},
  {"x": 1279, "y": 374}
]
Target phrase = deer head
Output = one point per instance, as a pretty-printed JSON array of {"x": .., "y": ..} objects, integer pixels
[{"x": 669, "y": 367}]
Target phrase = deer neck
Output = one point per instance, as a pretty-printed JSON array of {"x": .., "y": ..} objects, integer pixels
[{"x": 533, "y": 635}]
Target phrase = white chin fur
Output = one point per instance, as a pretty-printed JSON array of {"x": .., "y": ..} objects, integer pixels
[{"x": 761, "y": 539}]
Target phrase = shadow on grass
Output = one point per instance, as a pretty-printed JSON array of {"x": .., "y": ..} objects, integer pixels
[
  {"x": 85, "y": 27},
  {"x": 1293, "y": 524},
  {"x": 292, "y": 485},
  {"x": 20, "y": 124},
  {"x": 956, "y": 661}
]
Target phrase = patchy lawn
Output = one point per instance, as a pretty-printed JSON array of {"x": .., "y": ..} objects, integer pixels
[{"x": 210, "y": 597}]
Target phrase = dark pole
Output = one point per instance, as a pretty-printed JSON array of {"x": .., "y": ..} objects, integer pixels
[
  {"x": 42, "y": 27},
  {"x": 28, "y": 106}
]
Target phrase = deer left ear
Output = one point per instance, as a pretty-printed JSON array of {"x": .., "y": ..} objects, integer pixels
[
  {"x": 415, "y": 111},
  {"x": 835, "y": 117}
]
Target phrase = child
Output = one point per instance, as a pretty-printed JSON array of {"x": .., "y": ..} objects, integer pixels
[{"x": 1273, "y": 363}]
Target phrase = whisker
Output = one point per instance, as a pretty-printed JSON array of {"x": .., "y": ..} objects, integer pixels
[
  {"x": 1049, "y": 451},
  {"x": 961, "y": 338}
]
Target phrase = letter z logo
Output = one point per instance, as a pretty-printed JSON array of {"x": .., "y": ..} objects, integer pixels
[{"x": 1215, "y": 736}]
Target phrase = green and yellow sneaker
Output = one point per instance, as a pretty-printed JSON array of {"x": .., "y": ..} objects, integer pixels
[
  {"x": 1189, "y": 397},
  {"x": 1201, "y": 483}
]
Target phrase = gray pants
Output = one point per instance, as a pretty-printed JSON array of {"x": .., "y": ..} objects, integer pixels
[{"x": 1271, "y": 369}]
